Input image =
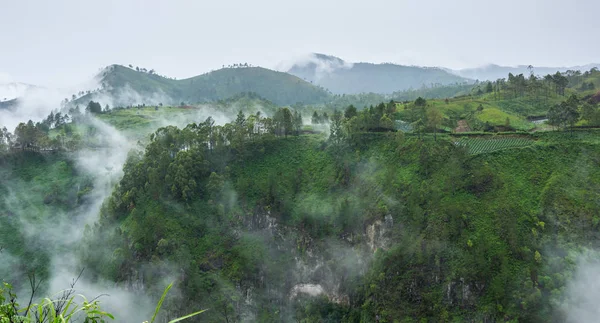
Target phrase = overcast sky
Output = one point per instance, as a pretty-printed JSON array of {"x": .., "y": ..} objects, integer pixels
[{"x": 58, "y": 42}]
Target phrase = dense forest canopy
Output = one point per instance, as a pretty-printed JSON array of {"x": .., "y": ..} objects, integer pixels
[{"x": 463, "y": 202}]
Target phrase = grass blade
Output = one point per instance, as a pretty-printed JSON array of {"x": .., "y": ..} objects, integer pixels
[
  {"x": 162, "y": 299},
  {"x": 187, "y": 316}
]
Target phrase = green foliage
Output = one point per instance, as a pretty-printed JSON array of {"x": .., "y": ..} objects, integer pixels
[
  {"x": 434, "y": 120},
  {"x": 93, "y": 107},
  {"x": 65, "y": 309},
  {"x": 565, "y": 114},
  {"x": 514, "y": 99},
  {"x": 160, "y": 303},
  {"x": 199, "y": 197},
  {"x": 434, "y": 92},
  {"x": 408, "y": 228},
  {"x": 420, "y": 102}
]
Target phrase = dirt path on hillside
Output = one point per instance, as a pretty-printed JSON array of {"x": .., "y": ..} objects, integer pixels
[{"x": 463, "y": 126}]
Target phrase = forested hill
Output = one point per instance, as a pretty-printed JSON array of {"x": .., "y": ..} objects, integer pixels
[
  {"x": 362, "y": 227},
  {"x": 341, "y": 77},
  {"x": 126, "y": 86},
  {"x": 268, "y": 219}
]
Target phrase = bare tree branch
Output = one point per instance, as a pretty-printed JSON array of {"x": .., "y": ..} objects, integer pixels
[
  {"x": 67, "y": 293},
  {"x": 34, "y": 287}
]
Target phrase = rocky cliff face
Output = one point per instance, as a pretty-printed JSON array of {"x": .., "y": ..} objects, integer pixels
[
  {"x": 319, "y": 268},
  {"x": 313, "y": 267},
  {"x": 324, "y": 268}
]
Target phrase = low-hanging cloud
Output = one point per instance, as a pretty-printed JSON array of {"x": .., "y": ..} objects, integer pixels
[
  {"x": 33, "y": 102},
  {"x": 127, "y": 96},
  {"x": 323, "y": 65},
  {"x": 58, "y": 235},
  {"x": 583, "y": 290}
]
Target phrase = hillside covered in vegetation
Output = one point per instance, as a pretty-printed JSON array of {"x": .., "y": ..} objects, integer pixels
[
  {"x": 374, "y": 225},
  {"x": 126, "y": 86},
  {"x": 473, "y": 211}
]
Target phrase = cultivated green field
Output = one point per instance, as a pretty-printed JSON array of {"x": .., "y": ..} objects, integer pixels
[{"x": 479, "y": 145}]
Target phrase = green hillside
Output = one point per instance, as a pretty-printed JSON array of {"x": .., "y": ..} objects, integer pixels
[
  {"x": 126, "y": 86},
  {"x": 378, "y": 225},
  {"x": 508, "y": 104},
  {"x": 246, "y": 217},
  {"x": 140, "y": 121},
  {"x": 278, "y": 87}
]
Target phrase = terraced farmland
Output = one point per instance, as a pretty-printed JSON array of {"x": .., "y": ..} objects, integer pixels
[{"x": 479, "y": 145}]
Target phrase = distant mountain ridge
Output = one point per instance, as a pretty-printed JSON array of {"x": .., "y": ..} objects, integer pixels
[
  {"x": 9, "y": 104},
  {"x": 10, "y": 94},
  {"x": 493, "y": 72},
  {"x": 13, "y": 90},
  {"x": 341, "y": 77},
  {"x": 124, "y": 86}
]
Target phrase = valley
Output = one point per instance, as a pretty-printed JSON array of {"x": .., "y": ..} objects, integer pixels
[{"x": 299, "y": 162}]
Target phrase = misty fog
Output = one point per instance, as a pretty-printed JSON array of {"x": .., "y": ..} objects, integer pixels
[{"x": 308, "y": 161}]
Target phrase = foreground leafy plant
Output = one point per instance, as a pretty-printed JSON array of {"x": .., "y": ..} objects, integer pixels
[{"x": 64, "y": 309}]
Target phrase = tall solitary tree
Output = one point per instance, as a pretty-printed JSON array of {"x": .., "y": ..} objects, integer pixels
[
  {"x": 420, "y": 102},
  {"x": 560, "y": 82},
  {"x": 489, "y": 88},
  {"x": 283, "y": 122},
  {"x": 565, "y": 114},
  {"x": 434, "y": 119},
  {"x": 571, "y": 111},
  {"x": 350, "y": 112},
  {"x": 297, "y": 122}
]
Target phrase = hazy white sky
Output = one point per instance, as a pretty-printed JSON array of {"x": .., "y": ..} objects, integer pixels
[{"x": 58, "y": 42}]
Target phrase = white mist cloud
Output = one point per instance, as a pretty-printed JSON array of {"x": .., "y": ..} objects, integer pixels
[
  {"x": 200, "y": 114},
  {"x": 322, "y": 65},
  {"x": 125, "y": 305},
  {"x": 8, "y": 262},
  {"x": 126, "y": 96},
  {"x": 59, "y": 234},
  {"x": 11, "y": 90},
  {"x": 35, "y": 103},
  {"x": 105, "y": 164},
  {"x": 583, "y": 291}
]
